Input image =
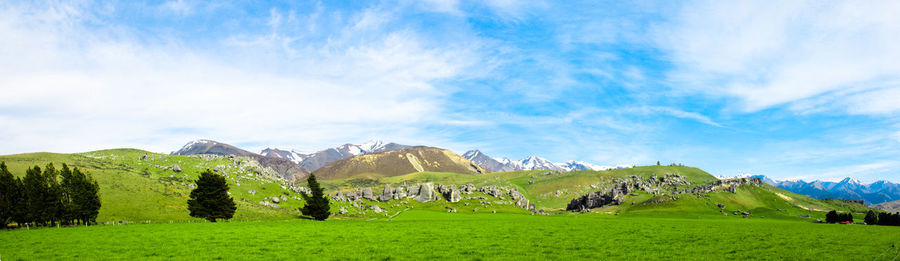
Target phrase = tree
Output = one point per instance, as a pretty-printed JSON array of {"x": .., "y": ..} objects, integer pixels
[
  {"x": 210, "y": 200},
  {"x": 53, "y": 210},
  {"x": 871, "y": 218},
  {"x": 84, "y": 196},
  {"x": 8, "y": 195},
  {"x": 317, "y": 205},
  {"x": 35, "y": 188},
  {"x": 831, "y": 217}
]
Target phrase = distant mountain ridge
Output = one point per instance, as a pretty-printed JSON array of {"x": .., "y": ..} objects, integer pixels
[
  {"x": 315, "y": 160},
  {"x": 890, "y": 206},
  {"x": 873, "y": 193},
  {"x": 531, "y": 163},
  {"x": 287, "y": 169}
]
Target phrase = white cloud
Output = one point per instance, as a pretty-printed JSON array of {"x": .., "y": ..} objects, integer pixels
[
  {"x": 671, "y": 112},
  {"x": 69, "y": 87},
  {"x": 769, "y": 54}
]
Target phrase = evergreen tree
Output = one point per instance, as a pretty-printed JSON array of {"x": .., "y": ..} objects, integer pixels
[
  {"x": 871, "y": 218},
  {"x": 85, "y": 197},
  {"x": 66, "y": 184},
  {"x": 19, "y": 208},
  {"x": 8, "y": 195},
  {"x": 831, "y": 217},
  {"x": 210, "y": 200},
  {"x": 53, "y": 195},
  {"x": 317, "y": 205},
  {"x": 35, "y": 188}
]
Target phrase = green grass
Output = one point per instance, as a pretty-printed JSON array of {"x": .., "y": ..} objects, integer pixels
[{"x": 417, "y": 235}]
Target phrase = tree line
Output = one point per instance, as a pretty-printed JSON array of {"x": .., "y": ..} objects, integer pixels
[
  {"x": 883, "y": 218},
  {"x": 48, "y": 197},
  {"x": 835, "y": 217}
]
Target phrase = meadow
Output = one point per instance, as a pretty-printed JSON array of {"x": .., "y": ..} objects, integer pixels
[{"x": 421, "y": 234}]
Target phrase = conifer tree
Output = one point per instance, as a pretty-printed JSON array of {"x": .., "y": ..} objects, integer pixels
[
  {"x": 35, "y": 188},
  {"x": 53, "y": 210},
  {"x": 831, "y": 217},
  {"x": 871, "y": 218},
  {"x": 66, "y": 185},
  {"x": 8, "y": 195},
  {"x": 210, "y": 200},
  {"x": 317, "y": 205},
  {"x": 85, "y": 197}
]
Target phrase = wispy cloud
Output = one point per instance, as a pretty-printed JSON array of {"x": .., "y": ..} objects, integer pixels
[
  {"x": 770, "y": 54},
  {"x": 354, "y": 79}
]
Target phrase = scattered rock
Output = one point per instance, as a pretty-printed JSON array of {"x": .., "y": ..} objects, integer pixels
[{"x": 176, "y": 168}]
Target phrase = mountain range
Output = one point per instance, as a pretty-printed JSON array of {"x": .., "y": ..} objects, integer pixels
[
  {"x": 531, "y": 163},
  {"x": 872, "y": 193},
  {"x": 286, "y": 169},
  {"x": 312, "y": 161}
]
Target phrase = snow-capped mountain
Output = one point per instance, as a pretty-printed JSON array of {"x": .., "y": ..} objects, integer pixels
[
  {"x": 316, "y": 160},
  {"x": 531, "y": 163},
  {"x": 488, "y": 163},
  {"x": 536, "y": 163},
  {"x": 848, "y": 188},
  {"x": 287, "y": 169},
  {"x": 292, "y": 155}
]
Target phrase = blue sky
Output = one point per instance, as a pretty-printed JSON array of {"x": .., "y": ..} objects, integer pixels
[{"x": 800, "y": 89}]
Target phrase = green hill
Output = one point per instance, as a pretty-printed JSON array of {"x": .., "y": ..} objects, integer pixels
[
  {"x": 150, "y": 189},
  {"x": 141, "y": 186}
]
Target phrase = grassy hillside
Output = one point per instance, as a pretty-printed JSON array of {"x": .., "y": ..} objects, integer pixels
[
  {"x": 551, "y": 191},
  {"x": 139, "y": 190},
  {"x": 417, "y": 235},
  {"x": 148, "y": 189}
]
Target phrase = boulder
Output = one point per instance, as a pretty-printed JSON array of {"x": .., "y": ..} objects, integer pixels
[
  {"x": 598, "y": 199},
  {"x": 269, "y": 204},
  {"x": 176, "y": 168},
  {"x": 367, "y": 194},
  {"x": 376, "y": 209},
  {"x": 276, "y": 200},
  {"x": 413, "y": 191},
  {"x": 283, "y": 198},
  {"x": 342, "y": 211},
  {"x": 426, "y": 193},
  {"x": 387, "y": 194}
]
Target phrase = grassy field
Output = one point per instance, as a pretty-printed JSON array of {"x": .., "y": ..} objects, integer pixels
[{"x": 419, "y": 234}]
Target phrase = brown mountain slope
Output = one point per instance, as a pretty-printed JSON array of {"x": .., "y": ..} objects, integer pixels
[
  {"x": 399, "y": 162},
  {"x": 892, "y": 206}
]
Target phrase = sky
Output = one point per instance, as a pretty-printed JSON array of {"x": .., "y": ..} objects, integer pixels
[{"x": 788, "y": 89}]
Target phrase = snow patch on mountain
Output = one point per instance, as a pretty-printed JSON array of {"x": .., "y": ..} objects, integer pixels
[{"x": 532, "y": 163}]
